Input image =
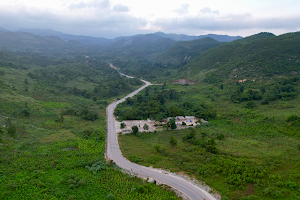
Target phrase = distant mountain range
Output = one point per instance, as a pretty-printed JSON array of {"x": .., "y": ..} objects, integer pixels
[
  {"x": 182, "y": 37},
  {"x": 88, "y": 40},
  {"x": 47, "y": 45},
  {"x": 3, "y": 30}
]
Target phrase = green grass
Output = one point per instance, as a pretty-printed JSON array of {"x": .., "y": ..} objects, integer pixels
[
  {"x": 259, "y": 157},
  {"x": 47, "y": 158}
]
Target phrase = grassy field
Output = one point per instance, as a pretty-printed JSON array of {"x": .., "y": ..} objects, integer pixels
[
  {"x": 242, "y": 154},
  {"x": 50, "y": 150}
]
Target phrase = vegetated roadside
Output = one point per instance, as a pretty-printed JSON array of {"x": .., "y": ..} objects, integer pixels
[
  {"x": 53, "y": 130},
  {"x": 251, "y": 150}
]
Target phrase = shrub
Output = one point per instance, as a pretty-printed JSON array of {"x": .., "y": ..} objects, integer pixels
[
  {"x": 25, "y": 112},
  {"x": 146, "y": 127},
  {"x": 292, "y": 118},
  {"x": 88, "y": 115},
  {"x": 110, "y": 197},
  {"x": 220, "y": 136},
  {"x": 123, "y": 125},
  {"x": 250, "y": 105},
  {"x": 135, "y": 130},
  {"x": 98, "y": 166},
  {"x": 265, "y": 100},
  {"x": 173, "y": 141},
  {"x": 12, "y": 130}
]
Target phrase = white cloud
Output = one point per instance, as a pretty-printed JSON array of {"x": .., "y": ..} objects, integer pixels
[
  {"x": 207, "y": 10},
  {"x": 184, "y": 9},
  {"x": 120, "y": 8},
  {"x": 104, "y": 4},
  {"x": 111, "y": 18}
]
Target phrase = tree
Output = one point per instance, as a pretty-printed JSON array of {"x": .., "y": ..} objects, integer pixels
[
  {"x": 175, "y": 111},
  {"x": 172, "y": 123},
  {"x": 135, "y": 130},
  {"x": 146, "y": 127},
  {"x": 173, "y": 141},
  {"x": 211, "y": 147},
  {"x": 123, "y": 125},
  {"x": 147, "y": 91}
]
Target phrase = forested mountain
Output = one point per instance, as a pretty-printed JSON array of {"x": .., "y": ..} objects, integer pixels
[
  {"x": 182, "y": 37},
  {"x": 47, "y": 45},
  {"x": 261, "y": 55},
  {"x": 86, "y": 40},
  {"x": 140, "y": 47},
  {"x": 186, "y": 51}
]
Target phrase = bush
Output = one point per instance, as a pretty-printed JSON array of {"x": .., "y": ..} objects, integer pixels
[
  {"x": 173, "y": 141},
  {"x": 265, "y": 100},
  {"x": 12, "y": 130},
  {"x": 292, "y": 118},
  {"x": 221, "y": 136},
  {"x": 98, "y": 166},
  {"x": 88, "y": 115},
  {"x": 123, "y": 125},
  {"x": 135, "y": 130},
  {"x": 110, "y": 197},
  {"x": 250, "y": 105},
  {"x": 25, "y": 112}
]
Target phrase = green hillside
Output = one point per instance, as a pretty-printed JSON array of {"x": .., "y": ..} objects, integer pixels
[
  {"x": 47, "y": 45},
  {"x": 139, "y": 47},
  {"x": 261, "y": 55},
  {"x": 158, "y": 60},
  {"x": 53, "y": 131},
  {"x": 186, "y": 51},
  {"x": 248, "y": 150}
]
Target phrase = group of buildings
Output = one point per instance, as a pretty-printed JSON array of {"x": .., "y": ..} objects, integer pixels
[{"x": 181, "y": 122}]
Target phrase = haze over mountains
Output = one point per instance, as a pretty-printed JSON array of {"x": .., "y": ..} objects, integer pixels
[
  {"x": 88, "y": 40},
  {"x": 168, "y": 56}
]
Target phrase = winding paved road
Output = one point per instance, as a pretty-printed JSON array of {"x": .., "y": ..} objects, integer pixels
[{"x": 113, "y": 153}]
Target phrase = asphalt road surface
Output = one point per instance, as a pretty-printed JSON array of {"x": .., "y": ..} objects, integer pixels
[{"x": 114, "y": 153}]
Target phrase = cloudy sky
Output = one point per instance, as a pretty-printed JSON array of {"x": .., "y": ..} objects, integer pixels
[{"x": 113, "y": 18}]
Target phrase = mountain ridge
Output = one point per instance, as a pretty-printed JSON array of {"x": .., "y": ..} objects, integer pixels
[{"x": 89, "y": 40}]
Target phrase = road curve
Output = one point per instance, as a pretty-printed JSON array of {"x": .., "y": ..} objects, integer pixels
[{"x": 113, "y": 152}]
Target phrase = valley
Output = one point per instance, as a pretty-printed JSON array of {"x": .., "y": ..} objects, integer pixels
[{"x": 59, "y": 96}]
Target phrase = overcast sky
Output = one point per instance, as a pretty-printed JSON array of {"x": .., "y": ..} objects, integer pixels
[{"x": 113, "y": 18}]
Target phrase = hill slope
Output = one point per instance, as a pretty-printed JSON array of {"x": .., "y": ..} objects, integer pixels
[
  {"x": 186, "y": 51},
  {"x": 139, "y": 47},
  {"x": 86, "y": 40},
  {"x": 182, "y": 37},
  {"x": 260, "y": 55},
  {"x": 30, "y": 43}
]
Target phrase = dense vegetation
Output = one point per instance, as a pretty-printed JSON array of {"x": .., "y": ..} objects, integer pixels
[
  {"x": 246, "y": 152},
  {"x": 161, "y": 66},
  {"x": 47, "y": 45},
  {"x": 183, "y": 52},
  {"x": 53, "y": 130},
  {"x": 159, "y": 103},
  {"x": 258, "y": 56}
]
